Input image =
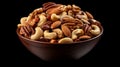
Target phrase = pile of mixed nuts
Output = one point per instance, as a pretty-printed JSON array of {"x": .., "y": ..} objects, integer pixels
[{"x": 58, "y": 23}]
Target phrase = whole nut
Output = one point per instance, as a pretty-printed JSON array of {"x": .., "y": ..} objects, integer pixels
[
  {"x": 66, "y": 31},
  {"x": 65, "y": 40},
  {"x": 55, "y": 24}
]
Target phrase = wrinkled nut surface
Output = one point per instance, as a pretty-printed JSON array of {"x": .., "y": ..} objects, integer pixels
[{"x": 58, "y": 23}]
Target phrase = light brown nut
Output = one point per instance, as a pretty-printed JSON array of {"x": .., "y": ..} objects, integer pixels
[
  {"x": 65, "y": 40},
  {"x": 55, "y": 17},
  {"x": 34, "y": 21},
  {"x": 66, "y": 31},
  {"x": 42, "y": 20},
  {"x": 84, "y": 37},
  {"x": 50, "y": 35},
  {"x": 59, "y": 32},
  {"x": 67, "y": 19},
  {"x": 55, "y": 24},
  {"x": 38, "y": 11},
  {"x": 95, "y": 30},
  {"x": 76, "y": 33},
  {"x": 89, "y": 15},
  {"x": 69, "y": 24},
  {"x": 71, "y": 13},
  {"x": 38, "y": 34},
  {"x": 76, "y": 9}
]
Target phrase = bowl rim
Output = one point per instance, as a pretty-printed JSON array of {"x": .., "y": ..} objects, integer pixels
[{"x": 61, "y": 43}]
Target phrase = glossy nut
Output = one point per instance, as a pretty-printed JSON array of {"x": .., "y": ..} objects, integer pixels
[
  {"x": 38, "y": 33},
  {"x": 65, "y": 40}
]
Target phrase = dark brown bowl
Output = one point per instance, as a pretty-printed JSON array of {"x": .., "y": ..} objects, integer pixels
[{"x": 50, "y": 52}]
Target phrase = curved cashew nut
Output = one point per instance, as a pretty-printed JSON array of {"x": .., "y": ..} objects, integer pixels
[
  {"x": 82, "y": 15},
  {"x": 42, "y": 20},
  {"x": 59, "y": 32},
  {"x": 70, "y": 13},
  {"x": 65, "y": 40},
  {"x": 76, "y": 33},
  {"x": 55, "y": 17},
  {"x": 23, "y": 20},
  {"x": 38, "y": 33},
  {"x": 49, "y": 35},
  {"x": 95, "y": 30}
]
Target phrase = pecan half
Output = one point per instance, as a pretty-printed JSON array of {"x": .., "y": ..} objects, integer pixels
[
  {"x": 55, "y": 10},
  {"x": 26, "y": 31}
]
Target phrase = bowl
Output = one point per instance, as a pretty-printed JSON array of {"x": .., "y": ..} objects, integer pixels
[{"x": 54, "y": 52}]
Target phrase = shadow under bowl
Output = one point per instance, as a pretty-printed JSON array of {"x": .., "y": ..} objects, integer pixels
[{"x": 54, "y": 52}]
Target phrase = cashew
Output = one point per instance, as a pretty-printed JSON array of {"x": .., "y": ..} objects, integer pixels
[
  {"x": 59, "y": 32},
  {"x": 63, "y": 13},
  {"x": 55, "y": 17},
  {"x": 20, "y": 25},
  {"x": 95, "y": 30},
  {"x": 23, "y": 20},
  {"x": 42, "y": 20},
  {"x": 65, "y": 40},
  {"x": 71, "y": 13},
  {"x": 38, "y": 33},
  {"x": 49, "y": 35},
  {"x": 82, "y": 15},
  {"x": 76, "y": 33}
]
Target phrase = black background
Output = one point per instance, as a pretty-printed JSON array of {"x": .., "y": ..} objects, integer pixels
[{"x": 102, "y": 54}]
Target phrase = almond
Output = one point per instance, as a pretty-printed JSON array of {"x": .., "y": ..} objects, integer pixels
[
  {"x": 55, "y": 24},
  {"x": 89, "y": 15},
  {"x": 66, "y": 30},
  {"x": 84, "y": 37}
]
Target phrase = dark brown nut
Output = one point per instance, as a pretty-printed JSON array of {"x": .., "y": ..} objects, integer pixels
[
  {"x": 53, "y": 41},
  {"x": 55, "y": 10},
  {"x": 48, "y": 5},
  {"x": 66, "y": 30},
  {"x": 85, "y": 27},
  {"x": 26, "y": 31},
  {"x": 45, "y": 27},
  {"x": 95, "y": 22}
]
